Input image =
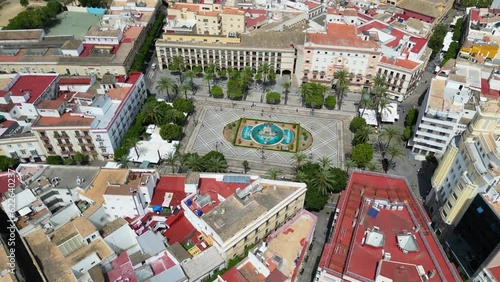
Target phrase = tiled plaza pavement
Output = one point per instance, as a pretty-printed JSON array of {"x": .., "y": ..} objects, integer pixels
[{"x": 326, "y": 134}]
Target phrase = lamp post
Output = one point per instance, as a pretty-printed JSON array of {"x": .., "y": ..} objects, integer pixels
[{"x": 262, "y": 154}]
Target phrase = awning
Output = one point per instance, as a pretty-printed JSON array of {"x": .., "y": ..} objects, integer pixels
[{"x": 144, "y": 164}]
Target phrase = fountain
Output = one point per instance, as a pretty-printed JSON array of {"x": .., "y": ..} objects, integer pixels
[{"x": 267, "y": 134}]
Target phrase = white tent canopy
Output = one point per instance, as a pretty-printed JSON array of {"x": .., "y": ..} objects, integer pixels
[
  {"x": 389, "y": 114},
  {"x": 152, "y": 150}
]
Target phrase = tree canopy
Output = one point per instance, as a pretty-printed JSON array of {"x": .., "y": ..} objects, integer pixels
[
  {"x": 8, "y": 163},
  {"x": 183, "y": 105},
  {"x": 171, "y": 131},
  {"x": 356, "y": 124},
  {"x": 31, "y": 18},
  {"x": 273, "y": 98},
  {"x": 362, "y": 154}
]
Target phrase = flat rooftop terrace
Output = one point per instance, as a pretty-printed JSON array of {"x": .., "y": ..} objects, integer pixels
[
  {"x": 348, "y": 254},
  {"x": 73, "y": 23}
]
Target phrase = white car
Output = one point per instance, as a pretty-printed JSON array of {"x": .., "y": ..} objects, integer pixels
[{"x": 153, "y": 66}]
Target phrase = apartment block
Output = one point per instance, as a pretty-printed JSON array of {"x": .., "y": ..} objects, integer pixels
[
  {"x": 446, "y": 110},
  {"x": 368, "y": 244},
  {"x": 93, "y": 122},
  {"x": 274, "y": 46}
]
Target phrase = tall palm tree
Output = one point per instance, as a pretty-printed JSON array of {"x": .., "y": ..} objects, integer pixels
[
  {"x": 179, "y": 65},
  {"x": 342, "y": 85},
  {"x": 190, "y": 74},
  {"x": 286, "y": 86},
  {"x": 123, "y": 161},
  {"x": 383, "y": 105},
  {"x": 207, "y": 77},
  {"x": 324, "y": 181},
  {"x": 152, "y": 113},
  {"x": 193, "y": 161},
  {"x": 265, "y": 68},
  {"x": 132, "y": 142},
  {"x": 325, "y": 162},
  {"x": 273, "y": 173},
  {"x": 212, "y": 68},
  {"x": 365, "y": 102},
  {"x": 363, "y": 134},
  {"x": 395, "y": 151},
  {"x": 306, "y": 90},
  {"x": 171, "y": 160},
  {"x": 165, "y": 84},
  {"x": 389, "y": 133},
  {"x": 350, "y": 164},
  {"x": 216, "y": 164},
  {"x": 299, "y": 158},
  {"x": 178, "y": 149},
  {"x": 185, "y": 88},
  {"x": 379, "y": 81}
]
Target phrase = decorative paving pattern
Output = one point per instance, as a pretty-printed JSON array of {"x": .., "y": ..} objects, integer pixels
[{"x": 326, "y": 134}]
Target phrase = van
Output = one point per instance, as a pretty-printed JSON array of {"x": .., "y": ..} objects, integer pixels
[{"x": 153, "y": 66}]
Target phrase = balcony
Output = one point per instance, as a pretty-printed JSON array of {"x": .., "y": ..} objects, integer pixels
[
  {"x": 58, "y": 136},
  {"x": 44, "y": 138},
  {"x": 86, "y": 137},
  {"x": 62, "y": 144}
]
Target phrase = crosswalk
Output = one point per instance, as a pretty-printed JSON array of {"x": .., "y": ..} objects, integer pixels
[{"x": 150, "y": 74}]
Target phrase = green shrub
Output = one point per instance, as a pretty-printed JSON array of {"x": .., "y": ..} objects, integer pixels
[
  {"x": 362, "y": 154},
  {"x": 315, "y": 101},
  {"x": 407, "y": 133},
  {"x": 197, "y": 69},
  {"x": 183, "y": 105},
  {"x": 356, "y": 124},
  {"x": 217, "y": 92},
  {"x": 273, "y": 98},
  {"x": 7, "y": 163},
  {"x": 54, "y": 160},
  {"x": 411, "y": 117},
  {"x": 171, "y": 132},
  {"x": 330, "y": 102}
]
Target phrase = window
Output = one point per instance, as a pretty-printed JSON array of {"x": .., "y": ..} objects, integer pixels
[
  {"x": 454, "y": 196},
  {"x": 23, "y": 152},
  {"x": 448, "y": 204}
]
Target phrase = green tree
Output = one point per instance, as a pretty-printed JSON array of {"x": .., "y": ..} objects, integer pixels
[
  {"x": 165, "y": 84},
  {"x": 171, "y": 160},
  {"x": 179, "y": 66},
  {"x": 207, "y": 77},
  {"x": 436, "y": 39},
  {"x": 356, "y": 124},
  {"x": 330, "y": 102},
  {"x": 341, "y": 85},
  {"x": 324, "y": 181},
  {"x": 350, "y": 164},
  {"x": 365, "y": 102},
  {"x": 91, "y": 3},
  {"x": 246, "y": 166},
  {"x": 7, "y": 163},
  {"x": 363, "y": 135},
  {"x": 184, "y": 88},
  {"x": 273, "y": 98},
  {"x": 264, "y": 68},
  {"x": 54, "y": 160},
  {"x": 123, "y": 161},
  {"x": 299, "y": 158},
  {"x": 362, "y": 154},
  {"x": 80, "y": 158},
  {"x": 216, "y": 164},
  {"x": 286, "y": 86},
  {"x": 315, "y": 200},
  {"x": 217, "y": 92},
  {"x": 273, "y": 173},
  {"x": 372, "y": 166},
  {"x": 407, "y": 133},
  {"x": 171, "y": 132},
  {"x": 24, "y": 3},
  {"x": 152, "y": 113},
  {"x": 395, "y": 151},
  {"x": 325, "y": 162},
  {"x": 457, "y": 30},
  {"x": 193, "y": 161},
  {"x": 411, "y": 117},
  {"x": 183, "y": 105},
  {"x": 390, "y": 133}
]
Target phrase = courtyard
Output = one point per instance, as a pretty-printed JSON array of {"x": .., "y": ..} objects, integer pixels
[{"x": 208, "y": 135}]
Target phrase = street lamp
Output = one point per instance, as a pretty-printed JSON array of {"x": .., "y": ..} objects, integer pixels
[{"x": 262, "y": 156}]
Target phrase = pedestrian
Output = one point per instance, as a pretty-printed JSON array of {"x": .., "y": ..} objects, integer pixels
[
  {"x": 261, "y": 114},
  {"x": 243, "y": 109},
  {"x": 297, "y": 110},
  {"x": 269, "y": 116}
]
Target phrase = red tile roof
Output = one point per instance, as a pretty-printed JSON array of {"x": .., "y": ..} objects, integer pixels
[
  {"x": 402, "y": 63},
  {"x": 475, "y": 15},
  {"x": 161, "y": 264},
  {"x": 249, "y": 22},
  {"x": 312, "y": 5},
  {"x": 255, "y": 11},
  {"x": 343, "y": 12},
  {"x": 50, "y": 104},
  {"x": 169, "y": 184},
  {"x": 132, "y": 33},
  {"x": 233, "y": 275},
  {"x": 180, "y": 228},
  {"x": 419, "y": 43},
  {"x": 340, "y": 35},
  {"x": 35, "y": 84},
  {"x": 64, "y": 120},
  {"x": 122, "y": 269},
  {"x": 3, "y": 93},
  {"x": 495, "y": 271},
  {"x": 399, "y": 272},
  {"x": 346, "y": 255},
  {"x": 75, "y": 81},
  {"x": 365, "y": 17}
]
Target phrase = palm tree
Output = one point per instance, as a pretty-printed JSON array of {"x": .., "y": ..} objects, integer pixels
[
  {"x": 349, "y": 164},
  {"x": 379, "y": 81},
  {"x": 212, "y": 68},
  {"x": 301, "y": 176},
  {"x": 171, "y": 159},
  {"x": 123, "y": 161},
  {"x": 395, "y": 151},
  {"x": 193, "y": 161},
  {"x": 165, "y": 84},
  {"x": 264, "y": 69},
  {"x": 178, "y": 149},
  {"x": 217, "y": 164},
  {"x": 132, "y": 142},
  {"x": 273, "y": 173},
  {"x": 342, "y": 85},
  {"x": 325, "y": 162},
  {"x": 152, "y": 113},
  {"x": 390, "y": 133},
  {"x": 179, "y": 65},
  {"x": 365, "y": 102},
  {"x": 383, "y": 105},
  {"x": 306, "y": 90},
  {"x": 286, "y": 86},
  {"x": 372, "y": 166},
  {"x": 323, "y": 181},
  {"x": 363, "y": 134},
  {"x": 207, "y": 77},
  {"x": 299, "y": 158},
  {"x": 185, "y": 88},
  {"x": 190, "y": 74}
]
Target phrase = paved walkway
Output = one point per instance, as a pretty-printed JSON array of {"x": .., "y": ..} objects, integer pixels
[{"x": 327, "y": 129}]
